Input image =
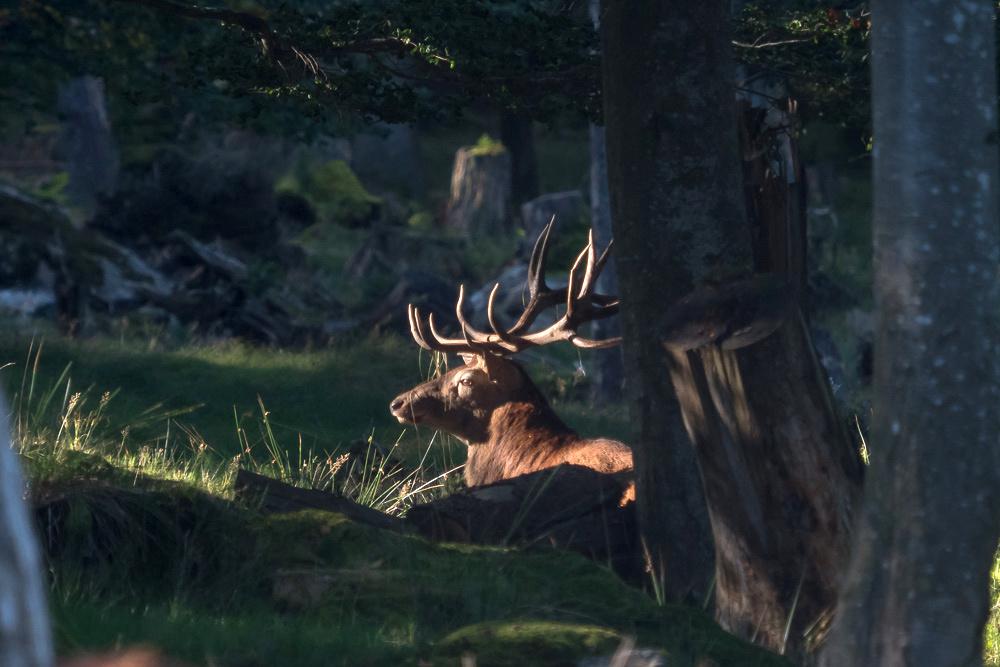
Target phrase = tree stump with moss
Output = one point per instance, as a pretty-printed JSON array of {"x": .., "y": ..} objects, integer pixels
[{"x": 479, "y": 204}]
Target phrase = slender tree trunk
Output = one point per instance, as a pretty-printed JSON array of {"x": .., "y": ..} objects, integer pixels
[
  {"x": 916, "y": 590},
  {"x": 86, "y": 142},
  {"x": 609, "y": 374},
  {"x": 779, "y": 473},
  {"x": 25, "y": 640},
  {"x": 518, "y": 135}
]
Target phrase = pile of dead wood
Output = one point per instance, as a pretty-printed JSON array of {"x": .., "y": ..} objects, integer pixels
[{"x": 87, "y": 275}]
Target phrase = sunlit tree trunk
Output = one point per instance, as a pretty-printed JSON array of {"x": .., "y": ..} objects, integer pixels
[
  {"x": 916, "y": 590},
  {"x": 25, "y": 639},
  {"x": 607, "y": 385}
]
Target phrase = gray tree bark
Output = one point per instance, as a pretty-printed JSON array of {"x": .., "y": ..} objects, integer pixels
[
  {"x": 479, "y": 204},
  {"x": 86, "y": 141},
  {"x": 25, "y": 639},
  {"x": 609, "y": 367},
  {"x": 916, "y": 591}
]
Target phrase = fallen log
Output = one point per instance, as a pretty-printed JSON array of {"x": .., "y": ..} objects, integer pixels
[
  {"x": 273, "y": 496},
  {"x": 569, "y": 507}
]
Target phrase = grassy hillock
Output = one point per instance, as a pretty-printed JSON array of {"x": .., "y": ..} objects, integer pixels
[{"x": 172, "y": 566}]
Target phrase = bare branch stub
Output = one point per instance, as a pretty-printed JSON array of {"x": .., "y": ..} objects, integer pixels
[{"x": 582, "y": 304}]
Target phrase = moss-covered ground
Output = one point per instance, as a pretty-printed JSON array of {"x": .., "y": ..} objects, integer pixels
[{"x": 205, "y": 579}]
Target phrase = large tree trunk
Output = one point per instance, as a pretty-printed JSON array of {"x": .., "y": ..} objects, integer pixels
[
  {"x": 916, "y": 590},
  {"x": 780, "y": 475},
  {"x": 677, "y": 214}
]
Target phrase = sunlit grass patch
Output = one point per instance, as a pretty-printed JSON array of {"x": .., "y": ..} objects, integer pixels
[
  {"x": 331, "y": 397},
  {"x": 991, "y": 635},
  {"x": 63, "y": 433}
]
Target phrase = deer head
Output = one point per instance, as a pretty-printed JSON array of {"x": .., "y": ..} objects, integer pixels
[{"x": 466, "y": 400}]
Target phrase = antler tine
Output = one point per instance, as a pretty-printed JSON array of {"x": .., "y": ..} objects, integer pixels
[
  {"x": 445, "y": 344},
  {"x": 592, "y": 344},
  {"x": 478, "y": 339},
  {"x": 603, "y": 259},
  {"x": 491, "y": 318},
  {"x": 539, "y": 257},
  {"x": 411, "y": 313},
  {"x": 571, "y": 292},
  {"x": 589, "y": 275},
  {"x": 540, "y": 295},
  {"x": 602, "y": 299},
  {"x": 434, "y": 342}
]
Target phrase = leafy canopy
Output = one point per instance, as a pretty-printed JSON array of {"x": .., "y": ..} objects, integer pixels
[{"x": 295, "y": 66}]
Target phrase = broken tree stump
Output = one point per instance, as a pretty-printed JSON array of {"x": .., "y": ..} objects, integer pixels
[{"x": 479, "y": 204}]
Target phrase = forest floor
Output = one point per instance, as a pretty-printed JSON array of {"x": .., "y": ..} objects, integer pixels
[{"x": 130, "y": 453}]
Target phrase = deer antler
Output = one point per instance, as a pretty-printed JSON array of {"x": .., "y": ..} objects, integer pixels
[{"x": 583, "y": 304}]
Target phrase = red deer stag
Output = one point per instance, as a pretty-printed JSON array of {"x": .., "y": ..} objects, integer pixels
[{"x": 490, "y": 403}]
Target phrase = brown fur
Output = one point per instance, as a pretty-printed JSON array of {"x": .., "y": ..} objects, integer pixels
[{"x": 492, "y": 405}]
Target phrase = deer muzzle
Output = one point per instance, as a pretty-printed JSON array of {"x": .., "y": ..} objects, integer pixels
[{"x": 410, "y": 407}]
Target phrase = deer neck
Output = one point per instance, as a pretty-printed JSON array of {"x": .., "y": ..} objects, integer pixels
[
  {"x": 521, "y": 422},
  {"x": 522, "y": 436}
]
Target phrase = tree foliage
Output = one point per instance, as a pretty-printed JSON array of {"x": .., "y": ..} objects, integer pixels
[
  {"x": 392, "y": 60},
  {"x": 296, "y": 66},
  {"x": 818, "y": 51}
]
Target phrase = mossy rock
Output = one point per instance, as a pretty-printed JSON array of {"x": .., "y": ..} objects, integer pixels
[
  {"x": 334, "y": 191},
  {"x": 527, "y": 642}
]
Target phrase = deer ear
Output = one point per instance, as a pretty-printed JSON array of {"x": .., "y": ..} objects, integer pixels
[
  {"x": 470, "y": 359},
  {"x": 501, "y": 371}
]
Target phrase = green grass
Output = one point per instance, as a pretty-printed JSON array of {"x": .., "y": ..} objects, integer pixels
[
  {"x": 331, "y": 398},
  {"x": 146, "y": 546},
  {"x": 991, "y": 636},
  {"x": 249, "y": 637},
  {"x": 64, "y": 434},
  {"x": 203, "y": 578}
]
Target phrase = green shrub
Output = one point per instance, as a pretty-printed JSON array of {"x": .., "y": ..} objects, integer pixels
[
  {"x": 334, "y": 191},
  {"x": 421, "y": 221}
]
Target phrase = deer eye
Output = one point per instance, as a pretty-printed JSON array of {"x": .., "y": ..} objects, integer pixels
[{"x": 465, "y": 382}]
